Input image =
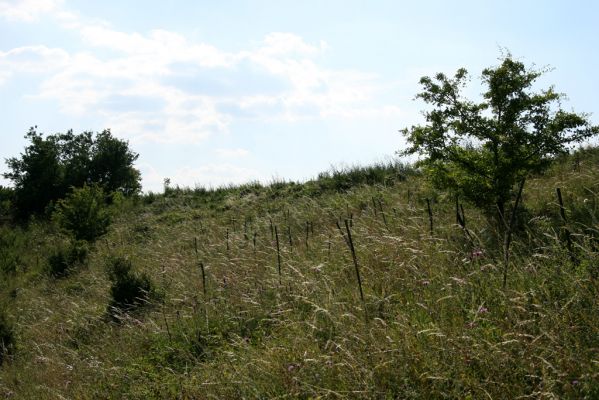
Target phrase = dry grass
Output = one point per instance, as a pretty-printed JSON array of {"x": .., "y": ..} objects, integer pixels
[{"x": 437, "y": 325}]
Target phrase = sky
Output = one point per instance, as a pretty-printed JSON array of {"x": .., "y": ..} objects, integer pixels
[{"x": 211, "y": 93}]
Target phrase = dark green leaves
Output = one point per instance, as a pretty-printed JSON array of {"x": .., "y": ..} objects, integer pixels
[
  {"x": 481, "y": 150},
  {"x": 50, "y": 166}
]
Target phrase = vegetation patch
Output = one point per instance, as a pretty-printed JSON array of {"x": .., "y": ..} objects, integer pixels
[
  {"x": 65, "y": 259},
  {"x": 129, "y": 289}
]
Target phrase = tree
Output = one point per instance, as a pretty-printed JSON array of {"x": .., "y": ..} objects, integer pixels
[
  {"x": 111, "y": 165},
  {"x": 37, "y": 176},
  {"x": 482, "y": 150},
  {"x": 51, "y": 166}
]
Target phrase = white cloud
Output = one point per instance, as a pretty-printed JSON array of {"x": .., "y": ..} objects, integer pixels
[
  {"x": 208, "y": 175},
  {"x": 33, "y": 59},
  {"x": 284, "y": 43},
  {"x": 232, "y": 153},
  {"x": 27, "y": 10},
  {"x": 159, "y": 86}
]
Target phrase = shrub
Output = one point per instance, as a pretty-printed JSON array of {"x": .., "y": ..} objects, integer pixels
[
  {"x": 7, "y": 337},
  {"x": 12, "y": 241},
  {"x": 62, "y": 261},
  {"x": 129, "y": 289},
  {"x": 84, "y": 213},
  {"x": 149, "y": 198}
]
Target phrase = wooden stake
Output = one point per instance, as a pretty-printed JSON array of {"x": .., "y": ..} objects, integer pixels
[
  {"x": 562, "y": 212},
  {"x": 353, "y": 254},
  {"x": 278, "y": 253},
  {"x": 430, "y": 214}
]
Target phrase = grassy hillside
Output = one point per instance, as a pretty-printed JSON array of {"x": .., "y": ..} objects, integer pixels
[{"x": 434, "y": 321}]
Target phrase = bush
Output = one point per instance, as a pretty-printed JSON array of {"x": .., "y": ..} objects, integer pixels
[
  {"x": 83, "y": 213},
  {"x": 7, "y": 337},
  {"x": 128, "y": 289},
  {"x": 62, "y": 261},
  {"x": 12, "y": 243}
]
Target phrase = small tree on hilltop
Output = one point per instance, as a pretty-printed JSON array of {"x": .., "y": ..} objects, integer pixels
[{"x": 482, "y": 150}]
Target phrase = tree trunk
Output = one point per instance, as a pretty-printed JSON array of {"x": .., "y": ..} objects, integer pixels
[{"x": 501, "y": 222}]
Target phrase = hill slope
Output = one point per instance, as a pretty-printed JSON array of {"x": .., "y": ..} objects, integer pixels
[{"x": 434, "y": 321}]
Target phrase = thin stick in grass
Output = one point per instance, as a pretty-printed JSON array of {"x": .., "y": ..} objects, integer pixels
[
  {"x": 168, "y": 330},
  {"x": 430, "y": 214},
  {"x": 508, "y": 234},
  {"x": 461, "y": 219},
  {"x": 307, "y": 234},
  {"x": 227, "y": 240},
  {"x": 374, "y": 206},
  {"x": 254, "y": 241},
  {"x": 342, "y": 234},
  {"x": 201, "y": 267},
  {"x": 382, "y": 212},
  {"x": 353, "y": 254},
  {"x": 278, "y": 253},
  {"x": 562, "y": 213}
]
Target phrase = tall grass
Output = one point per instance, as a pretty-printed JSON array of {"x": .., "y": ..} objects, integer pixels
[{"x": 288, "y": 322}]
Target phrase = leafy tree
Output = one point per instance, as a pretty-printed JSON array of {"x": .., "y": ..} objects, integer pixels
[
  {"x": 52, "y": 165},
  {"x": 111, "y": 163},
  {"x": 481, "y": 150},
  {"x": 37, "y": 175}
]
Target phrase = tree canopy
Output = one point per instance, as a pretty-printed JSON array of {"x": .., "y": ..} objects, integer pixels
[
  {"x": 482, "y": 149},
  {"x": 50, "y": 166}
]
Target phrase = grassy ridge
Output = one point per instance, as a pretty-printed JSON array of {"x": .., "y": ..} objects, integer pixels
[{"x": 435, "y": 321}]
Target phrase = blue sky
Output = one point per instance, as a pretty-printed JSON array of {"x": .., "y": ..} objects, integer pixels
[{"x": 217, "y": 92}]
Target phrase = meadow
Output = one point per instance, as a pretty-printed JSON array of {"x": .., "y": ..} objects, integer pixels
[{"x": 362, "y": 283}]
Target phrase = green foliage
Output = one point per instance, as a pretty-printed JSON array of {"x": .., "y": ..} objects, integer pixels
[
  {"x": 434, "y": 323},
  {"x": 111, "y": 165},
  {"x": 62, "y": 261},
  {"x": 128, "y": 289},
  {"x": 7, "y": 336},
  {"x": 343, "y": 179},
  {"x": 37, "y": 175},
  {"x": 481, "y": 150},
  {"x": 7, "y": 196},
  {"x": 51, "y": 165},
  {"x": 83, "y": 213},
  {"x": 11, "y": 241}
]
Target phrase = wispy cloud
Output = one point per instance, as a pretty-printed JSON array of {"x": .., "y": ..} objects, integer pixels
[
  {"x": 31, "y": 59},
  {"x": 209, "y": 175},
  {"x": 159, "y": 86},
  {"x": 27, "y": 10},
  {"x": 232, "y": 153}
]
